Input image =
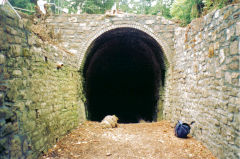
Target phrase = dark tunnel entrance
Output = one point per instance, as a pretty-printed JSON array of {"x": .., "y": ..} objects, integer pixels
[{"x": 123, "y": 72}]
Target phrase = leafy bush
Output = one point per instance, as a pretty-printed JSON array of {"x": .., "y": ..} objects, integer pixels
[
  {"x": 162, "y": 9},
  {"x": 212, "y": 4},
  {"x": 186, "y": 10},
  {"x": 24, "y": 4}
]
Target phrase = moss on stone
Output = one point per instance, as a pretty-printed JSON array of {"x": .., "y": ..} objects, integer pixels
[{"x": 26, "y": 52}]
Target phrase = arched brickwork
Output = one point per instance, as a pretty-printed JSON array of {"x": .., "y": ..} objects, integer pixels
[
  {"x": 144, "y": 28},
  {"x": 137, "y": 63}
]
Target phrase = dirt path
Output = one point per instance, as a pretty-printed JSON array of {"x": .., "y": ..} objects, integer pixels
[{"x": 128, "y": 141}]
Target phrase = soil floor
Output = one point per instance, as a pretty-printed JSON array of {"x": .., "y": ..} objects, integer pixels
[{"x": 127, "y": 141}]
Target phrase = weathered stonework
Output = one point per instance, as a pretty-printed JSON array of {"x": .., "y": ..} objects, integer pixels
[
  {"x": 80, "y": 31},
  {"x": 38, "y": 102},
  {"x": 208, "y": 92}
]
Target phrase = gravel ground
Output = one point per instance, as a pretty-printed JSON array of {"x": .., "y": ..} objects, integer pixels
[{"x": 127, "y": 141}]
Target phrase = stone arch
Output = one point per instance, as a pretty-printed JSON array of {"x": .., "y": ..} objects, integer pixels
[
  {"x": 144, "y": 28},
  {"x": 152, "y": 97}
]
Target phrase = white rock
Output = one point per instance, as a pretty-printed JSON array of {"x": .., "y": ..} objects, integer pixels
[
  {"x": 2, "y": 59},
  {"x": 221, "y": 56},
  {"x": 149, "y": 21},
  {"x": 17, "y": 73}
]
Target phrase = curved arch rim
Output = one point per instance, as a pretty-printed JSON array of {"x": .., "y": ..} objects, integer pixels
[{"x": 163, "y": 44}]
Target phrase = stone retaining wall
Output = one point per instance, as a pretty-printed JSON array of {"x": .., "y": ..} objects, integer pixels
[
  {"x": 38, "y": 102},
  {"x": 205, "y": 82}
]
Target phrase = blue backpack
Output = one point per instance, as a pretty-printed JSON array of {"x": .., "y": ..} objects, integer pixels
[{"x": 182, "y": 129}]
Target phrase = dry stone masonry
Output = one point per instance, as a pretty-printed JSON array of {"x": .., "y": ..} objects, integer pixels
[
  {"x": 205, "y": 82},
  {"x": 39, "y": 103}
]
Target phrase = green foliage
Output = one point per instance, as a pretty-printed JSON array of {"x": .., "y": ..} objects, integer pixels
[
  {"x": 212, "y": 4},
  {"x": 100, "y": 7},
  {"x": 124, "y": 6},
  {"x": 186, "y": 10},
  {"x": 96, "y": 6},
  {"x": 61, "y": 6},
  {"x": 25, "y": 4},
  {"x": 162, "y": 9},
  {"x": 76, "y": 4},
  {"x": 138, "y": 7},
  {"x": 92, "y": 6},
  {"x": 147, "y": 5},
  {"x": 132, "y": 6}
]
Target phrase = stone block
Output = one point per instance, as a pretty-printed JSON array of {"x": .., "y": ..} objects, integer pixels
[
  {"x": 218, "y": 73},
  {"x": 31, "y": 40},
  {"x": 29, "y": 125},
  {"x": 170, "y": 28},
  {"x": 17, "y": 73},
  {"x": 236, "y": 79},
  {"x": 221, "y": 56},
  {"x": 232, "y": 78},
  {"x": 2, "y": 59},
  {"x": 234, "y": 48},
  {"x": 211, "y": 51},
  {"x": 230, "y": 33},
  {"x": 5, "y": 113},
  {"x": 83, "y": 24},
  {"x": 150, "y": 21},
  {"x": 227, "y": 14},
  {"x": 26, "y": 52},
  {"x": 3, "y": 144},
  {"x": 232, "y": 108},
  {"x": 216, "y": 45},
  {"x": 11, "y": 30},
  {"x": 25, "y": 147},
  {"x": 86, "y": 28},
  {"x": 18, "y": 40},
  {"x": 12, "y": 94},
  {"x": 238, "y": 29},
  {"x": 93, "y": 24},
  {"x": 72, "y": 19},
  {"x": 235, "y": 75},
  {"x": 230, "y": 117},
  {"x": 234, "y": 65},
  {"x": 39, "y": 145},
  {"x": 69, "y": 32},
  {"x": 15, "y": 147},
  {"x": 168, "y": 35},
  {"x": 15, "y": 50},
  {"x": 216, "y": 15},
  {"x": 8, "y": 128},
  {"x": 156, "y": 27}
]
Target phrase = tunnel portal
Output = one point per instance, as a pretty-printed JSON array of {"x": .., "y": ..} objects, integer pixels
[{"x": 123, "y": 72}]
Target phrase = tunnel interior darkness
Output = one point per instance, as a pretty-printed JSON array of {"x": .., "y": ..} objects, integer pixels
[{"x": 123, "y": 72}]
